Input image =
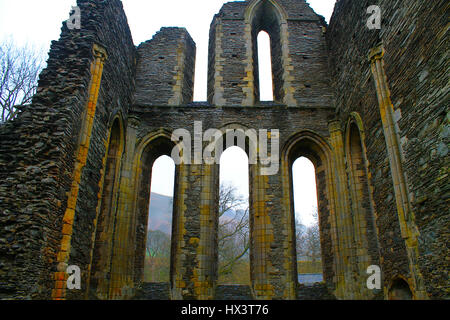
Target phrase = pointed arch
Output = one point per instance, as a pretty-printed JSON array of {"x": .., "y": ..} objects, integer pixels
[
  {"x": 268, "y": 16},
  {"x": 265, "y": 67},
  {"x": 311, "y": 145},
  {"x": 102, "y": 251},
  {"x": 400, "y": 289},
  {"x": 362, "y": 204},
  {"x": 233, "y": 224},
  {"x": 254, "y": 6},
  {"x": 149, "y": 149}
]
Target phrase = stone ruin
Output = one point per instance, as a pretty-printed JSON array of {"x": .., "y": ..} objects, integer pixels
[{"x": 369, "y": 107}]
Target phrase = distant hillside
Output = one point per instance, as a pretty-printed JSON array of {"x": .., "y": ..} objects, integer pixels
[
  {"x": 160, "y": 215},
  {"x": 232, "y": 214}
]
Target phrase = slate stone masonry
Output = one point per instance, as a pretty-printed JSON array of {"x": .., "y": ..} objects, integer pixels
[{"x": 327, "y": 107}]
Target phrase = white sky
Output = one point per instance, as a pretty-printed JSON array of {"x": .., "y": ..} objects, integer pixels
[
  {"x": 38, "y": 22},
  {"x": 234, "y": 170},
  {"x": 163, "y": 176}
]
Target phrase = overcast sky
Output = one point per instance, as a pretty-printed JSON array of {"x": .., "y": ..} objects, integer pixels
[{"x": 38, "y": 22}]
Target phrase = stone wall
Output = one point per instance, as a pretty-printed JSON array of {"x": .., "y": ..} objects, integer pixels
[
  {"x": 299, "y": 55},
  {"x": 197, "y": 186},
  {"x": 39, "y": 152},
  {"x": 75, "y": 166},
  {"x": 227, "y": 55},
  {"x": 414, "y": 36},
  {"x": 165, "y": 69},
  {"x": 115, "y": 96}
]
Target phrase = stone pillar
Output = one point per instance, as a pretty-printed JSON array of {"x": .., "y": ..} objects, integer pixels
[
  {"x": 122, "y": 264},
  {"x": 273, "y": 260},
  {"x": 261, "y": 236},
  {"x": 217, "y": 90},
  {"x": 178, "y": 284},
  {"x": 288, "y": 214},
  {"x": 406, "y": 217},
  {"x": 104, "y": 224},
  {"x": 195, "y": 260},
  {"x": 362, "y": 204},
  {"x": 288, "y": 68},
  {"x": 60, "y": 277},
  {"x": 346, "y": 263},
  {"x": 208, "y": 247},
  {"x": 249, "y": 79}
]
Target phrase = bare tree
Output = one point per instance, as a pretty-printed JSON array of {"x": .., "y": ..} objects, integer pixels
[
  {"x": 234, "y": 232},
  {"x": 157, "y": 262},
  {"x": 158, "y": 244},
  {"x": 308, "y": 240},
  {"x": 229, "y": 199},
  {"x": 19, "y": 72},
  {"x": 312, "y": 238},
  {"x": 300, "y": 231}
]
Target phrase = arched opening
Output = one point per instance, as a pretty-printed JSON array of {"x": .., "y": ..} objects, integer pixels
[
  {"x": 157, "y": 174},
  {"x": 366, "y": 242},
  {"x": 234, "y": 228},
  {"x": 265, "y": 67},
  {"x": 307, "y": 231},
  {"x": 266, "y": 17},
  {"x": 315, "y": 153},
  {"x": 159, "y": 227},
  {"x": 102, "y": 251},
  {"x": 400, "y": 290}
]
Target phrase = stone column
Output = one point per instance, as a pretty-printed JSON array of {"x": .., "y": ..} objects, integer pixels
[
  {"x": 102, "y": 237},
  {"x": 347, "y": 262},
  {"x": 208, "y": 247},
  {"x": 249, "y": 88},
  {"x": 178, "y": 283},
  {"x": 195, "y": 258},
  {"x": 60, "y": 277},
  {"x": 122, "y": 264},
  {"x": 218, "y": 87},
  {"x": 286, "y": 60},
  {"x": 406, "y": 217},
  {"x": 272, "y": 236},
  {"x": 261, "y": 236}
]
